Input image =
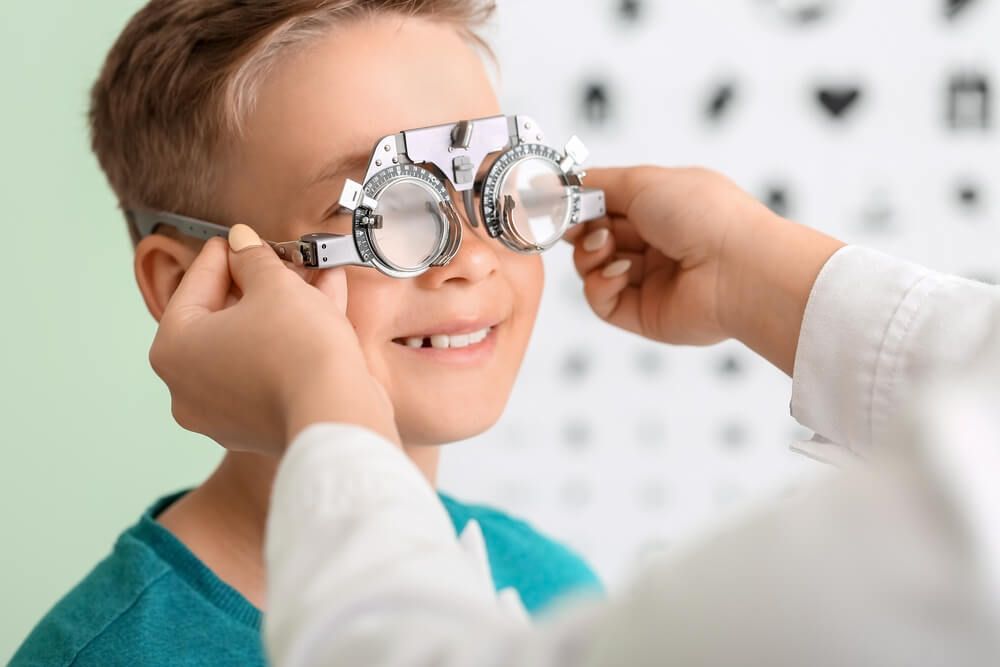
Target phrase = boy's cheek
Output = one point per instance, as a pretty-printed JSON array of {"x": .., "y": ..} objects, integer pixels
[
  {"x": 419, "y": 416},
  {"x": 527, "y": 279}
]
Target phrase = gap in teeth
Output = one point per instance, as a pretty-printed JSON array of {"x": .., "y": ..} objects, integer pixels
[{"x": 445, "y": 342}]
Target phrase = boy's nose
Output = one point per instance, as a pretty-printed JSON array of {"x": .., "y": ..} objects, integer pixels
[{"x": 476, "y": 260}]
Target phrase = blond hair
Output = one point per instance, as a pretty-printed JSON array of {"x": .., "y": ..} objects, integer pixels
[{"x": 181, "y": 78}]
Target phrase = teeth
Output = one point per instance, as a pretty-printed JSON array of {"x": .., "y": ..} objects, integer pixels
[{"x": 445, "y": 342}]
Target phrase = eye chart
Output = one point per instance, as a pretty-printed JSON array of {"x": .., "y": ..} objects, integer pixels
[{"x": 872, "y": 121}]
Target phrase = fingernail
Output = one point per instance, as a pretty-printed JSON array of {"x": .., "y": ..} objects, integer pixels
[
  {"x": 242, "y": 237},
  {"x": 616, "y": 269},
  {"x": 595, "y": 240}
]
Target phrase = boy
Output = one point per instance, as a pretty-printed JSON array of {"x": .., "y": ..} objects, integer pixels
[{"x": 256, "y": 113}]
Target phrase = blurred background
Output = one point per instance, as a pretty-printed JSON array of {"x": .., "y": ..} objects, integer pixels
[{"x": 872, "y": 121}]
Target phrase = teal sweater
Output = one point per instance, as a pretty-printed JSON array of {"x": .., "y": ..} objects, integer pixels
[{"x": 152, "y": 602}]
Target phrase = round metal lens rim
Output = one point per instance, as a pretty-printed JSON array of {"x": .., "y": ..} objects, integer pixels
[
  {"x": 513, "y": 239},
  {"x": 374, "y": 188},
  {"x": 493, "y": 184}
]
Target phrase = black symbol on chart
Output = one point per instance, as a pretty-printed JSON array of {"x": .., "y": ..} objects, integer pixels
[
  {"x": 734, "y": 435},
  {"x": 970, "y": 102},
  {"x": 649, "y": 362},
  {"x": 730, "y": 367},
  {"x": 576, "y": 366},
  {"x": 838, "y": 101},
  {"x": 630, "y": 11},
  {"x": 877, "y": 214},
  {"x": 969, "y": 197},
  {"x": 777, "y": 199},
  {"x": 800, "y": 12},
  {"x": 955, "y": 8},
  {"x": 596, "y": 104},
  {"x": 720, "y": 101}
]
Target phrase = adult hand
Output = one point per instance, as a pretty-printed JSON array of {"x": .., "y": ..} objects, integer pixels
[
  {"x": 686, "y": 257},
  {"x": 253, "y": 374}
]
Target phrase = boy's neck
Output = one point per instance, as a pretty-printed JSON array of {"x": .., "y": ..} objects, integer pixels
[{"x": 223, "y": 520}]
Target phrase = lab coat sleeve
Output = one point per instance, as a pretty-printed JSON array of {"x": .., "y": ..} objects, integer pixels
[
  {"x": 873, "y": 328},
  {"x": 364, "y": 568}
]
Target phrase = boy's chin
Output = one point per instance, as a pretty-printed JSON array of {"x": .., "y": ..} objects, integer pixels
[{"x": 450, "y": 424}]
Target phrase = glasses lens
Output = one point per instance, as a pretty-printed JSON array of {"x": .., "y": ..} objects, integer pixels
[
  {"x": 412, "y": 228},
  {"x": 541, "y": 203}
]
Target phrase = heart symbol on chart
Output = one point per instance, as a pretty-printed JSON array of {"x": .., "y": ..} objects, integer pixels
[{"x": 837, "y": 101}]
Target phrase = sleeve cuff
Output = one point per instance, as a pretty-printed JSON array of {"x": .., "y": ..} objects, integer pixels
[
  {"x": 337, "y": 470},
  {"x": 856, "y": 319}
]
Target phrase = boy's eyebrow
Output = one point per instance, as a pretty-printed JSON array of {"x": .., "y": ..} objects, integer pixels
[{"x": 341, "y": 165}]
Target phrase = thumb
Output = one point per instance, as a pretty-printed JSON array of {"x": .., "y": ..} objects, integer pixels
[
  {"x": 621, "y": 185},
  {"x": 251, "y": 261}
]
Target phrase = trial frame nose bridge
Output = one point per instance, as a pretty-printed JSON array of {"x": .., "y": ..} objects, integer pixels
[
  {"x": 458, "y": 150},
  {"x": 437, "y": 145}
]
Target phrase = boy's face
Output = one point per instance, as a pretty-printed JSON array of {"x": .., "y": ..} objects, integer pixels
[{"x": 330, "y": 102}]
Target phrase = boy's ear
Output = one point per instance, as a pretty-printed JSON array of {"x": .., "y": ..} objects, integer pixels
[{"x": 160, "y": 263}]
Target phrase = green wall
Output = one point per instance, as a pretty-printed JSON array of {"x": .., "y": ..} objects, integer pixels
[{"x": 87, "y": 437}]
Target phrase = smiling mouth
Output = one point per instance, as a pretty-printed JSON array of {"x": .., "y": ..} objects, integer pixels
[{"x": 445, "y": 341}]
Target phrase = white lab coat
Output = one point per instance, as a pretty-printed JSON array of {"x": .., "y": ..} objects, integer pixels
[{"x": 893, "y": 564}]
